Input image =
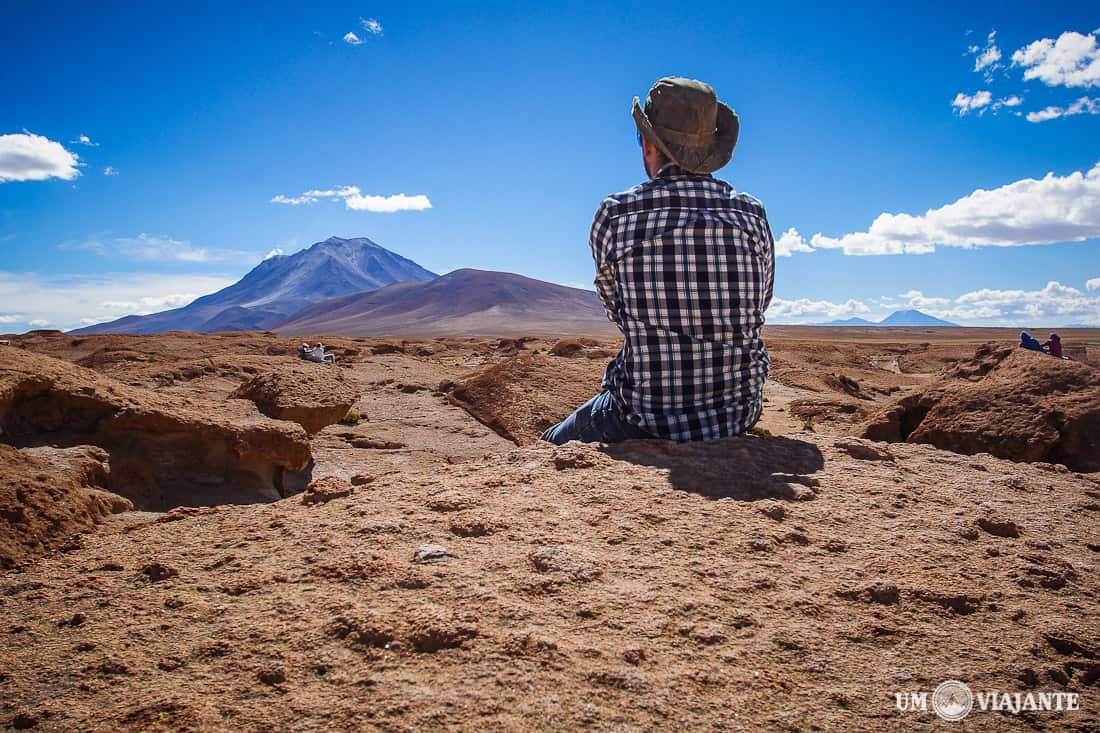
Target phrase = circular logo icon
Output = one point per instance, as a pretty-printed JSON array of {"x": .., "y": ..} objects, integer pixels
[{"x": 952, "y": 700}]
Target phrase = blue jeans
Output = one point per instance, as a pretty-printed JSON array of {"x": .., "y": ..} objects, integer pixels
[{"x": 600, "y": 420}]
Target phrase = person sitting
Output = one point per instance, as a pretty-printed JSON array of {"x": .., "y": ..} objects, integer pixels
[
  {"x": 317, "y": 354},
  {"x": 1029, "y": 342},
  {"x": 1053, "y": 346},
  {"x": 684, "y": 268}
]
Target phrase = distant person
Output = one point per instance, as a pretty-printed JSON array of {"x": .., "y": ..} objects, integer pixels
[
  {"x": 684, "y": 267},
  {"x": 317, "y": 354},
  {"x": 1053, "y": 345},
  {"x": 1029, "y": 342}
]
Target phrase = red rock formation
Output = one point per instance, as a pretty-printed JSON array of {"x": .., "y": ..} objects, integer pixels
[
  {"x": 164, "y": 450},
  {"x": 522, "y": 396},
  {"x": 312, "y": 395},
  {"x": 48, "y": 494},
  {"x": 1014, "y": 404}
]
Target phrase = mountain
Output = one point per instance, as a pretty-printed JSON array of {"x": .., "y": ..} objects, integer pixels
[
  {"x": 280, "y": 286},
  {"x": 857, "y": 321},
  {"x": 897, "y": 318},
  {"x": 913, "y": 318},
  {"x": 463, "y": 302}
]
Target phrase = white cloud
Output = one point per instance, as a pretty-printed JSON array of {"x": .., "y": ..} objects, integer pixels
[
  {"x": 1029, "y": 211},
  {"x": 387, "y": 204},
  {"x": 1054, "y": 304},
  {"x": 293, "y": 200},
  {"x": 370, "y": 25},
  {"x": 804, "y": 310},
  {"x": 964, "y": 103},
  {"x": 917, "y": 299},
  {"x": 157, "y": 248},
  {"x": 38, "y": 323},
  {"x": 29, "y": 157},
  {"x": 790, "y": 242},
  {"x": 110, "y": 171},
  {"x": 71, "y": 301},
  {"x": 356, "y": 200},
  {"x": 1071, "y": 61},
  {"x": 12, "y": 318},
  {"x": 987, "y": 58},
  {"x": 352, "y": 39},
  {"x": 276, "y": 252},
  {"x": 981, "y": 102},
  {"x": 84, "y": 140},
  {"x": 1083, "y": 106}
]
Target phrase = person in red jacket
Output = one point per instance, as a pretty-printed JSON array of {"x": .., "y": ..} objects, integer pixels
[{"x": 1053, "y": 346}]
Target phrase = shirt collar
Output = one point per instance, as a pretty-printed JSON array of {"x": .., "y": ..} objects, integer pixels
[{"x": 672, "y": 169}]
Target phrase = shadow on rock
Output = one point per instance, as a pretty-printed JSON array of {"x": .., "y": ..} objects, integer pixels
[{"x": 746, "y": 468}]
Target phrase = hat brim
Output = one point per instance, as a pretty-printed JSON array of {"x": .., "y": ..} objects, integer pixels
[{"x": 706, "y": 159}]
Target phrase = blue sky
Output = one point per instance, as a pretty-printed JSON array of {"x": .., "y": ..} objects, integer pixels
[{"x": 513, "y": 123}]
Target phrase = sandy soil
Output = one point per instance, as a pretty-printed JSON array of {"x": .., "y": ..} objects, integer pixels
[{"x": 791, "y": 581}]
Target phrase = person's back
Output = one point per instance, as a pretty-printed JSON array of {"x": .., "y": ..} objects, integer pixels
[
  {"x": 1053, "y": 345},
  {"x": 685, "y": 268}
]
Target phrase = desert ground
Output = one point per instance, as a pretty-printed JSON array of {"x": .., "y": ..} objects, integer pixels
[{"x": 203, "y": 533}]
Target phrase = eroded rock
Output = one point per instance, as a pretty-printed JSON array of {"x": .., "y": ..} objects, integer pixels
[
  {"x": 325, "y": 489},
  {"x": 1011, "y": 403},
  {"x": 48, "y": 494},
  {"x": 312, "y": 395},
  {"x": 165, "y": 450}
]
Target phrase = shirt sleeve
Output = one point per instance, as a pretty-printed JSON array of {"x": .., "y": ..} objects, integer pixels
[
  {"x": 601, "y": 240},
  {"x": 769, "y": 243}
]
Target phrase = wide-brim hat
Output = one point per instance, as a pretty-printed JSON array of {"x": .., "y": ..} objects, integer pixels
[{"x": 687, "y": 123}]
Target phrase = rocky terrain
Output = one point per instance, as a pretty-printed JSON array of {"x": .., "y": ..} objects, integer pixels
[
  {"x": 1015, "y": 404},
  {"x": 425, "y": 563}
]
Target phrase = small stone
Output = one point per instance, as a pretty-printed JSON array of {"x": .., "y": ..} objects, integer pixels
[
  {"x": 24, "y": 721},
  {"x": 431, "y": 553},
  {"x": 326, "y": 489},
  {"x": 157, "y": 572},
  {"x": 760, "y": 544},
  {"x": 572, "y": 561},
  {"x": 271, "y": 676},
  {"x": 863, "y": 450},
  {"x": 773, "y": 510},
  {"x": 76, "y": 620},
  {"x": 574, "y": 456},
  {"x": 884, "y": 592},
  {"x": 998, "y": 525}
]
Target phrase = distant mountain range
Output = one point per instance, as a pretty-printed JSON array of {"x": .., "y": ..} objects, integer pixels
[
  {"x": 460, "y": 303},
  {"x": 897, "y": 318},
  {"x": 356, "y": 287},
  {"x": 279, "y": 287}
]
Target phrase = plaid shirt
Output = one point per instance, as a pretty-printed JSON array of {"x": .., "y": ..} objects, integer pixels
[{"x": 684, "y": 266}]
